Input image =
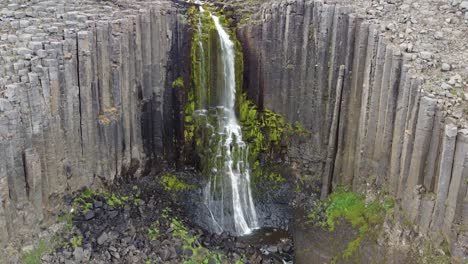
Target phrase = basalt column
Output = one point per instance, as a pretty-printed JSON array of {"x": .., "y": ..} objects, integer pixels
[
  {"x": 85, "y": 96},
  {"x": 371, "y": 122}
]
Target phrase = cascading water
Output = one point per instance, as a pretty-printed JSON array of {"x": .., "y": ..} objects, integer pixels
[{"x": 227, "y": 195}]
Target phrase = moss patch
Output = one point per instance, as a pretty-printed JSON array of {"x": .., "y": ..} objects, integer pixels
[
  {"x": 172, "y": 183},
  {"x": 178, "y": 83},
  {"x": 266, "y": 133},
  {"x": 366, "y": 217},
  {"x": 85, "y": 200}
]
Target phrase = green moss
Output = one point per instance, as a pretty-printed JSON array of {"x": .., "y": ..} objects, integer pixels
[
  {"x": 351, "y": 206},
  {"x": 266, "y": 133},
  {"x": 172, "y": 183},
  {"x": 311, "y": 33},
  {"x": 199, "y": 93},
  {"x": 178, "y": 83}
]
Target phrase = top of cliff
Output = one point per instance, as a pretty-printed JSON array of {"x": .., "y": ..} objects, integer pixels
[
  {"x": 432, "y": 32},
  {"x": 31, "y": 30},
  {"x": 435, "y": 35}
]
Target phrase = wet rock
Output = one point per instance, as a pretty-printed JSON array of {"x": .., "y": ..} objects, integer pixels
[{"x": 272, "y": 249}]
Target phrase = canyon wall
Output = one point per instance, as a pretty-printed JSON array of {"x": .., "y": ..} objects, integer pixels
[
  {"x": 85, "y": 96},
  {"x": 372, "y": 122}
]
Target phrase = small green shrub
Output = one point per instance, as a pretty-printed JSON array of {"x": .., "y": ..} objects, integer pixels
[
  {"x": 430, "y": 254},
  {"x": 34, "y": 256},
  {"x": 83, "y": 202},
  {"x": 153, "y": 232},
  {"x": 67, "y": 219},
  {"x": 116, "y": 200},
  {"x": 76, "y": 241}
]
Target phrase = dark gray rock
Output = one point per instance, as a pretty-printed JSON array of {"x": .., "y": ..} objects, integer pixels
[
  {"x": 79, "y": 255},
  {"x": 165, "y": 254},
  {"x": 89, "y": 215},
  {"x": 102, "y": 238}
]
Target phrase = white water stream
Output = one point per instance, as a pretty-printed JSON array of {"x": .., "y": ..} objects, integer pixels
[{"x": 228, "y": 194}]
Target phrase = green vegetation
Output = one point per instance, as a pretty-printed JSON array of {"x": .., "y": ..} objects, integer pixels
[
  {"x": 190, "y": 242},
  {"x": 200, "y": 254},
  {"x": 76, "y": 241},
  {"x": 440, "y": 255},
  {"x": 67, "y": 219},
  {"x": 34, "y": 256},
  {"x": 172, "y": 183},
  {"x": 153, "y": 231},
  {"x": 367, "y": 217},
  {"x": 266, "y": 132},
  {"x": 178, "y": 83},
  {"x": 84, "y": 201},
  {"x": 202, "y": 85}
]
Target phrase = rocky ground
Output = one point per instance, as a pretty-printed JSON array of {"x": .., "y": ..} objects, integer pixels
[
  {"x": 434, "y": 33},
  {"x": 143, "y": 222}
]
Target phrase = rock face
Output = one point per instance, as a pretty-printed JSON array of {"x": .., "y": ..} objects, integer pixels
[
  {"x": 363, "y": 100},
  {"x": 85, "y": 96}
]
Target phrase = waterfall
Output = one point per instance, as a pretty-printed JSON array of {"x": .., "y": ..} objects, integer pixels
[{"x": 228, "y": 194}]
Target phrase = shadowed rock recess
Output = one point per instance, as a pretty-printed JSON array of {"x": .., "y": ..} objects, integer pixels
[{"x": 86, "y": 97}]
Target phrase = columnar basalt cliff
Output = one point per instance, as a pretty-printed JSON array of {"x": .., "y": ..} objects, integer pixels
[
  {"x": 373, "y": 119},
  {"x": 85, "y": 96},
  {"x": 91, "y": 91}
]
